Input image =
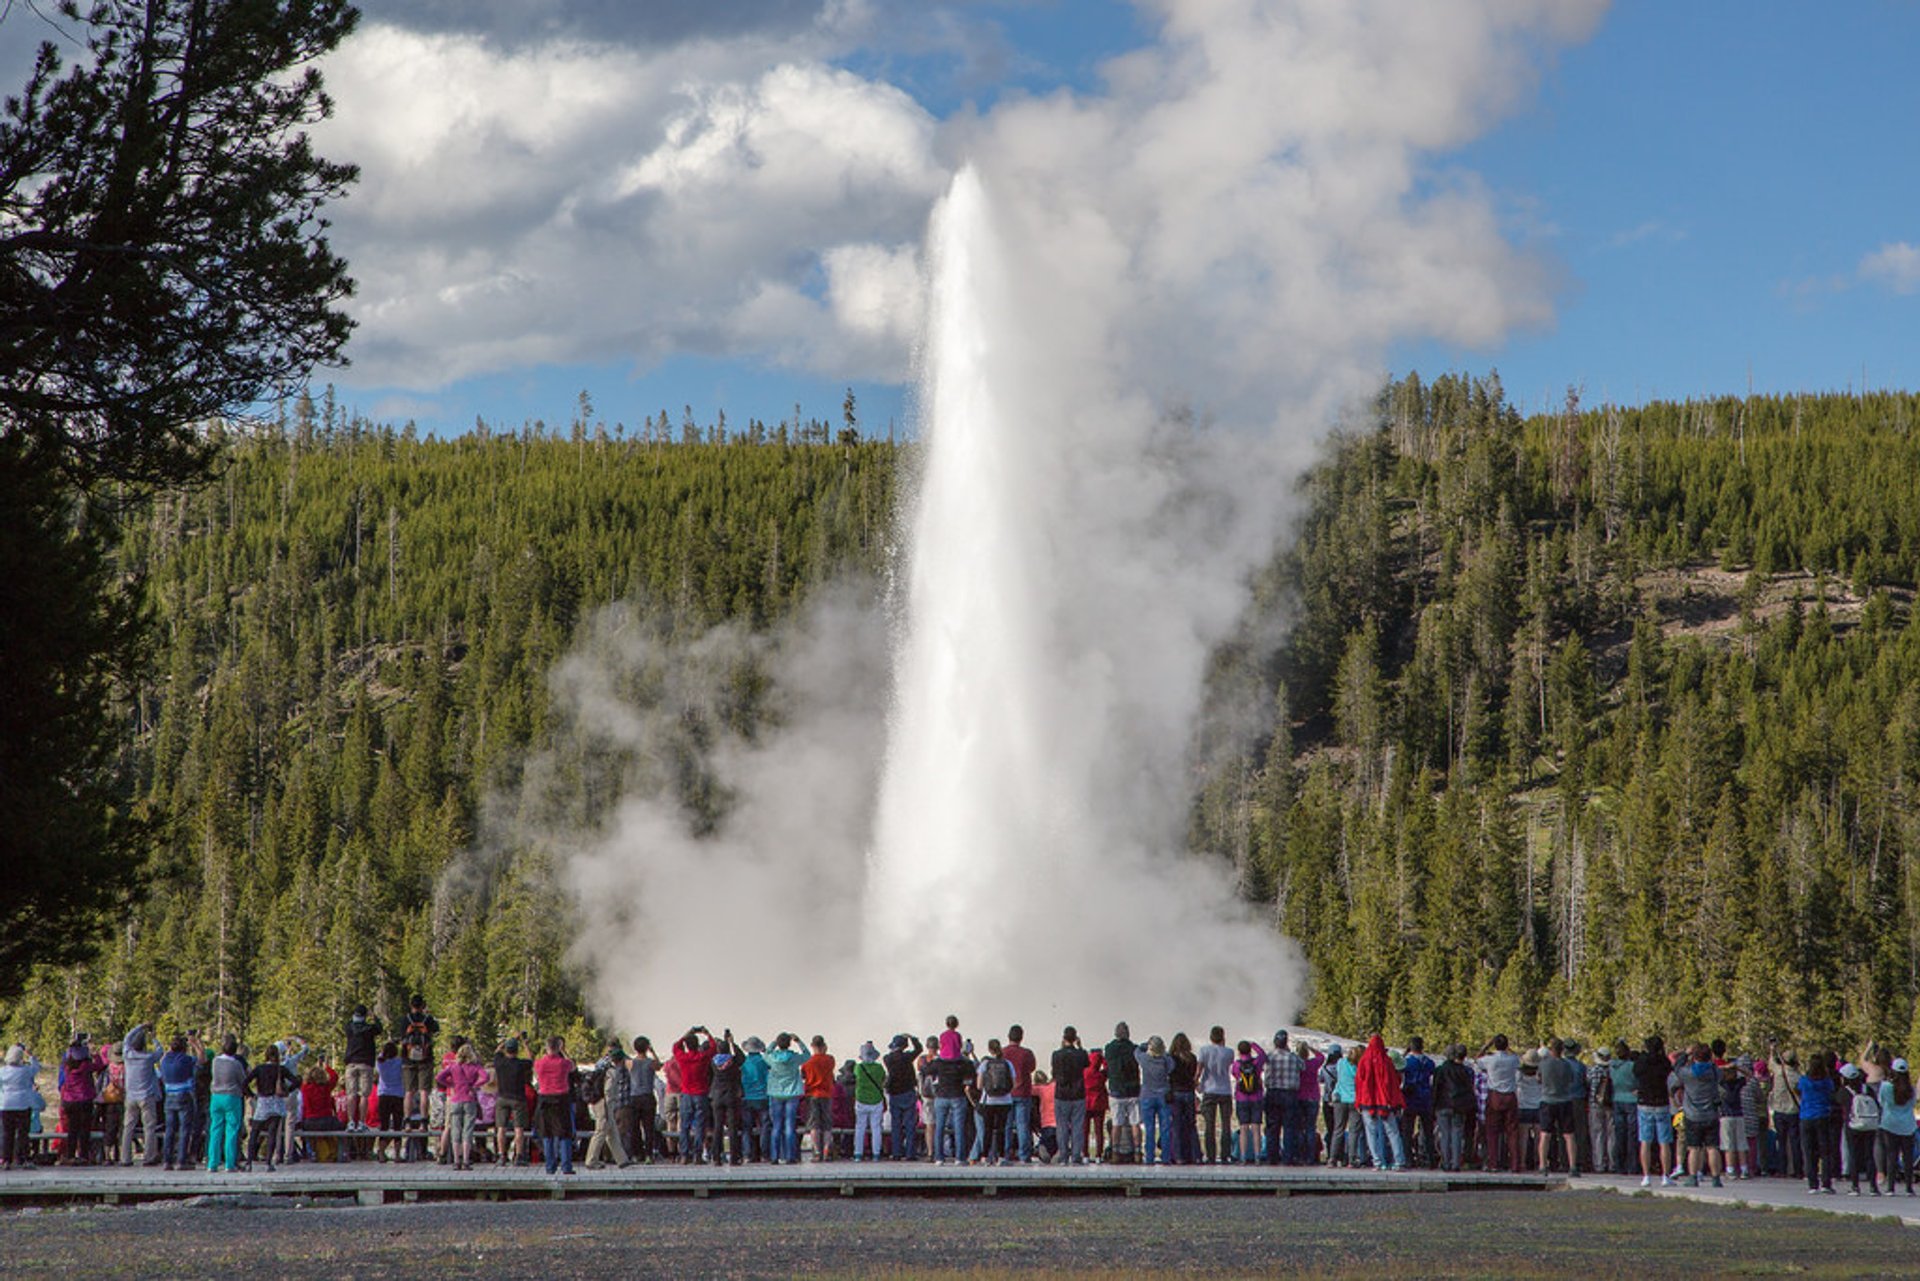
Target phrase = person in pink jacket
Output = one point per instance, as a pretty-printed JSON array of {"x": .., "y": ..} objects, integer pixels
[
  {"x": 462, "y": 1081},
  {"x": 80, "y": 1069}
]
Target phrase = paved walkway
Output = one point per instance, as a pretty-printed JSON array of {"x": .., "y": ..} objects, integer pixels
[
  {"x": 373, "y": 1183},
  {"x": 1774, "y": 1193}
]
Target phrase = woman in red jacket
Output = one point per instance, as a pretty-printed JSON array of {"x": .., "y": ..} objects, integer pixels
[
  {"x": 553, "y": 1074},
  {"x": 1376, "y": 1092},
  {"x": 1095, "y": 1078}
]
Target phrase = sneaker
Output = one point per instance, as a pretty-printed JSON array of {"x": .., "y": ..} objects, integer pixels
[
  {"x": 1646, "y": 1180},
  {"x": 1716, "y": 1181},
  {"x": 1694, "y": 1181},
  {"x": 1666, "y": 1181}
]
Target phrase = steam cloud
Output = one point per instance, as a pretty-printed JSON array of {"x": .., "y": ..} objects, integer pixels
[{"x": 1241, "y": 224}]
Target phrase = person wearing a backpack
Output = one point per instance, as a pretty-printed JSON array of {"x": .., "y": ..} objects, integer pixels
[
  {"x": 995, "y": 1081},
  {"x": 869, "y": 1103},
  {"x": 1863, "y": 1129},
  {"x": 416, "y": 1054},
  {"x": 1249, "y": 1076}
]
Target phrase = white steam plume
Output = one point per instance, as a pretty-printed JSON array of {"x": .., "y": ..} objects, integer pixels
[{"x": 1241, "y": 223}]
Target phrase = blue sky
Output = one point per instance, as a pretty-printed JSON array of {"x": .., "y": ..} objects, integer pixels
[{"x": 1722, "y": 192}]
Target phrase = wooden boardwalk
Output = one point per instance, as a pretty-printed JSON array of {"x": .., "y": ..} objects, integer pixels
[{"x": 368, "y": 1183}]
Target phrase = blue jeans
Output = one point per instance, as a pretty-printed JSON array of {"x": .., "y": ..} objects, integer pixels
[
  {"x": 1155, "y": 1132},
  {"x": 559, "y": 1154},
  {"x": 905, "y": 1131},
  {"x": 1022, "y": 1122},
  {"x": 1383, "y": 1134},
  {"x": 179, "y": 1141},
  {"x": 1626, "y": 1129},
  {"x": 1183, "y": 1138},
  {"x": 786, "y": 1114},
  {"x": 950, "y": 1118},
  {"x": 693, "y": 1125},
  {"x": 756, "y": 1124}
]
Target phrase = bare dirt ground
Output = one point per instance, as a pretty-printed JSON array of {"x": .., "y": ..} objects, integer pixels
[{"x": 1466, "y": 1234}]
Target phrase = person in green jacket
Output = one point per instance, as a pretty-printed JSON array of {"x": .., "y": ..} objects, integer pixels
[{"x": 869, "y": 1101}]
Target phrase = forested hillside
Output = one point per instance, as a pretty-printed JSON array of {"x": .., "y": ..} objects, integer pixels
[
  {"x": 1599, "y": 722},
  {"x": 354, "y": 629}
]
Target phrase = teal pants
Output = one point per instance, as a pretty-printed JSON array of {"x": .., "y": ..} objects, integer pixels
[{"x": 223, "y": 1131}]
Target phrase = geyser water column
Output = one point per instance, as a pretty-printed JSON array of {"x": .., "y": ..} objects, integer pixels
[{"x": 1045, "y": 676}]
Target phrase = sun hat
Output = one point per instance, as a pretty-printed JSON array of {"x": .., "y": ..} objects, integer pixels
[
  {"x": 754, "y": 1045},
  {"x": 1899, "y": 1065},
  {"x": 1851, "y": 1071}
]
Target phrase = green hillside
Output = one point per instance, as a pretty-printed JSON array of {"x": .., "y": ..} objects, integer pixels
[{"x": 1599, "y": 721}]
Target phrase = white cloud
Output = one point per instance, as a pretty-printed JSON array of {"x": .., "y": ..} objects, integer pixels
[
  {"x": 1895, "y": 265},
  {"x": 568, "y": 201}
]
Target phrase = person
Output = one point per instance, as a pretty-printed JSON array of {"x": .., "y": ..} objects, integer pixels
[
  {"x": 1248, "y": 1082},
  {"x": 1378, "y": 1100},
  {"x": 1123, "y": 1086},
  {"x": 1893, "y": 1153},
  {"x": 110, "y": 1107},
  {"x": 1700, "y": 1106},
  {"x": 360, "y": 1058},
  {"x": 140, "y": 1055},
  {"x": 417, "y": 1033},
  {"x": 80, "y": 1071},
  {"x": 553, "y": 1076},
  {"x": 923, "y": 1070},
  {"x": 1216, "y": 1060},
  {"x": 950, "y": 1039},
  {"x": 1559, "y": 1105},
  {"x": 842, "y": 1110},
  {"x": 1599, "y": 1119},
  {"x": 18, "y": 1094},
  {"x": 462, "y": 1080},
  {"x": 995, "y": 1081},
  {"x": 643, "y": 1075},
  {"x": 1651, "y": 1070},
  {"x": 950, "y": 1077},
  {"x": 1453, "y": 1103},
  {"x": 869, "y": 1103},
  {"x": 1733, "y": 1120},
  {"x": 1156, "y": 1069},
  {"x": 272, "y": 1084},
  {"x": 317, "y": 1115},
  {"x": 1349, "y": 1127},
  {"x": 1183, "y": 1094},
  {"x": 1416, "y": 1122},
  {"x": 1094, "y": 1080},
  {"x": 726, "y": 1093},
  {"x": 390, "y": 1100},
  {"x": 1816, "y": 1092},
  {"x": 1021, "y": 1119},
  {"x": 512, "y": 1074},
  {"x": 1626, "y": 1106},
  {"x": 694, "y": 1057},
  {"x": 619, "y": 1091},
  {"x": 786, "y": 1087},
  {"x": 817, "y": 1073},
  {"x": 902, "y": 1090},
  {"x": 1279, "y": 1093},
  {"x": 1314, "y": 1063},
  {"x": 1863, "y": 1128},
  {"x": 227, "y": 1086},
  {"x": 176, "y": 1080},
  {"x": 1068, "y": 1072},
  {"x": 1502, "y": 1067}
]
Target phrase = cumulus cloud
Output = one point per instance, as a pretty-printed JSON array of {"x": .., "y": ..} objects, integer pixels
[
  {"x": 1895, "y": 265},
  {"x": 574, "y": 201}
]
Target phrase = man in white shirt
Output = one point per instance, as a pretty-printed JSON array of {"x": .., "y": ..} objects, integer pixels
[{"x": 1502, "y": 1067}]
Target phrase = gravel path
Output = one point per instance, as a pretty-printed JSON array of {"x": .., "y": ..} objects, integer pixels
[{"x": 1457, "y": 1234}]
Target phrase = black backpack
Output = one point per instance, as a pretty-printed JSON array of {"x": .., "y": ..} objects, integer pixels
[
  {"x": 1249, "y": 1077},
  {"x": 593, "y": 1087},
  {"x": 418, "y": 1038},
  {"x": 998, "y": 1078}
]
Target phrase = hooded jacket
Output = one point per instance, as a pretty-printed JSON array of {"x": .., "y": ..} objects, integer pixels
[{"x": 1376, "y": 1086}]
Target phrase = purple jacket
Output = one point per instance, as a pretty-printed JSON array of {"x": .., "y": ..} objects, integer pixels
[{"x": 78, "y": 1071}]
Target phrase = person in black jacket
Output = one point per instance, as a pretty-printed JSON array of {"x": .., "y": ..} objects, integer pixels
[
  {"x": 903, "y": 1094},
  {"x": 1069, "y": 1065},
  {"x": 363, "y": 1045},
  {"x": 1453, "y": 1106}
]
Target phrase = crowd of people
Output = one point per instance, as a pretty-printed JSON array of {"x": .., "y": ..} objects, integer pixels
[{"x": 1700, "y": 1111}]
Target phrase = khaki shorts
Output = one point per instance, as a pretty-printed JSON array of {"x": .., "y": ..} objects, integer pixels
[
  {"x": 1733, "y": 1134},
  {"x": 361, "y": 1078},
  {"x": 1123, "y": 1111}
]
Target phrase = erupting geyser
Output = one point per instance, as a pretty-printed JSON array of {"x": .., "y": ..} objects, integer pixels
[{"x": 1025, "y": 859}]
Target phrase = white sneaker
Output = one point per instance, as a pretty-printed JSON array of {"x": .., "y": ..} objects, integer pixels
[
  {"x": 1666, "y": 1180},
  {"x": 1646, "y": 1180}
]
